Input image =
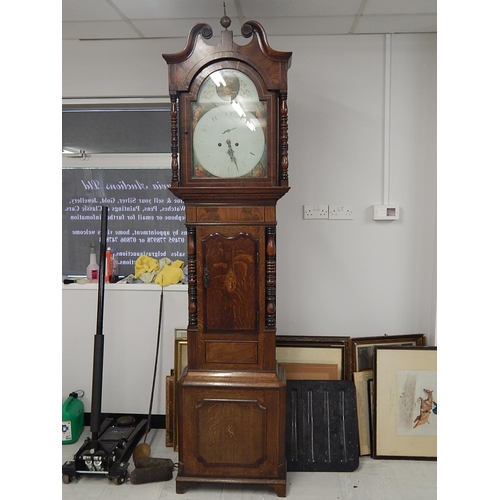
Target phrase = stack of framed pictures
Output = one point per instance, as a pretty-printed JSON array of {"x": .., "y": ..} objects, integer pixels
[
  {"x": 395, "y": 377},
  {"x": 362, "y": 349},
  {"x": 370, "y": 402}
]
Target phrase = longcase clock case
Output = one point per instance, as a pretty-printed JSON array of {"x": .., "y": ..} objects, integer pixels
[{"x": 231, "y": 397}]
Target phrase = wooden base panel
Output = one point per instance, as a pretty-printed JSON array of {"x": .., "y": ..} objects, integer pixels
[
  {"x": 278, "y": 485},
  {"x": 232, "y": 428}
]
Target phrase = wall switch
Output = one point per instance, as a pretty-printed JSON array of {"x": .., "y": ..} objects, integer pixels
[
  {"x": 340, "y": 212},
  {"x": 315, "y": 211},
  {"x": 386, "y": 212}
]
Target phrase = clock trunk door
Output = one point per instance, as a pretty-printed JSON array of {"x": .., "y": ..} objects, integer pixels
[{"x": 230, "y": 281}]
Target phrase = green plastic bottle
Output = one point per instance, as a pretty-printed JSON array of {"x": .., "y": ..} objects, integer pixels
[{"x": 72, "y": 419}]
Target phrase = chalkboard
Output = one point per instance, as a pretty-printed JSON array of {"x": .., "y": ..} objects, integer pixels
[{"x": 144, "y": 217}]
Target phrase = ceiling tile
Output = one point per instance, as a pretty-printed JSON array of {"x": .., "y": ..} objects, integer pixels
[
  {"x": 88, "y": 10},
  {"x": 172, "y": 9},
  {"x": 97, "y": 30},
  {"x": 400, "y": 7},
  {"x": 259, "y": 9},
  {"x": 425, "y": 23},
  {"x": 282, "y": 26}
]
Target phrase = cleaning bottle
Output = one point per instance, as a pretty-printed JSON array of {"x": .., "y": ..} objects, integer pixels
[
  {"x": 109, "y": 264},
  {"x": 72, "y": 419},
  {"x": 92, "y": 268}
]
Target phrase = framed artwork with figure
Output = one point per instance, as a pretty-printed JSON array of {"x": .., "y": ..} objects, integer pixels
[{"x": 406, "y": 395}]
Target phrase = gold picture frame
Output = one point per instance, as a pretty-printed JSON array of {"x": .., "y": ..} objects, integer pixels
[
  {"x": 361, "y": 382},
  {"x": 180, "y": 362}
]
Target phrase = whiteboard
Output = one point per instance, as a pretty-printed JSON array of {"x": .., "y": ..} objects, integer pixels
[{"x": 144, "y": 217}]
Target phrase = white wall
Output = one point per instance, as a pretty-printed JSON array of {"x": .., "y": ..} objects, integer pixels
[
  {"x": 359, "y": 277},
  {"x": 356, "y": 277},
  {"x": 130, "y": 329}
]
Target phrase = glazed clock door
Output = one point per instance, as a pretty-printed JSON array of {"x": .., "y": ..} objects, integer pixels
[{"x": 230, "y": 282}]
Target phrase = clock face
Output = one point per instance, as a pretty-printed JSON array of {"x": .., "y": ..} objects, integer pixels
[
  {"x": 228, "y": 144},
  {"x": 229, "y": 128}
]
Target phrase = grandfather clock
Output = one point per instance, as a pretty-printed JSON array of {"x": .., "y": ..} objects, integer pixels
[{"x": 229, "y": 122}]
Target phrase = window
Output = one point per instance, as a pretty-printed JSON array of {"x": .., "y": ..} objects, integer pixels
[
  {"x": 118, "y": 154},
  {"x": 116, "y": 128}
]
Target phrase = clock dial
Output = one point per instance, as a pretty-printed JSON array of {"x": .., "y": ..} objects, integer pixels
[
  {"x": 227, "y": 143},
  {"x": 229, "y": 127}
]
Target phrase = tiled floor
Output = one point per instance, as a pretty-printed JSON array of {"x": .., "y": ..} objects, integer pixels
[{"x": 373, "y": 480}]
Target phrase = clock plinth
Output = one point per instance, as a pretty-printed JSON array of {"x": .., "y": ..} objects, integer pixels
[
  {"x": 229, "y": 123},
  {"x": 230, "y": 429}
]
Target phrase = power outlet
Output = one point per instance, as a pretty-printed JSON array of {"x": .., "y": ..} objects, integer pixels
[
  {"x": 340, "y": 212},
  {"x": 315, "y": 211}
]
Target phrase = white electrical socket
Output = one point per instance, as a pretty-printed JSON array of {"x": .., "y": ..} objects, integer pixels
[
  {"x": 315, "y": 211},
  {"x": 340, "y": 212}
]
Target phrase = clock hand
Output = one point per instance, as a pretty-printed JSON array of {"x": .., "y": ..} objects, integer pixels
[
  {"x": 229, "y": 130},
  {"x": 230, "y": 152}
]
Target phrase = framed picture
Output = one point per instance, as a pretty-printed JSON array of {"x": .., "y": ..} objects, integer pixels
[
  {"x": 371, "y": 412},
  {"x": 361, "y": 382},
  {"x": 180, "y": 362},
  {"x": 361, "y": 348},
  {"x": 310, "y": 371},
  {"x": 169, "y": 410},
  {"x": 405, "y": 402},
  {"x": 315, "y": 358},
  {"x": 180, "y": 333},
  {"x": 180, "y": 357}
]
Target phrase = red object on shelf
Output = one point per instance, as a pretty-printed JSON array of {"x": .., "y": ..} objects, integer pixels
[{"x": 109, "y": 264}]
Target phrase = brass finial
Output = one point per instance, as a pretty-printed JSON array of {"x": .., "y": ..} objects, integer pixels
[{"x": 225, "y": 21}]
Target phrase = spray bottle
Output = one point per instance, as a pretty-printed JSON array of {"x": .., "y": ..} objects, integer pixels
[{"x": 92, "y": 268}]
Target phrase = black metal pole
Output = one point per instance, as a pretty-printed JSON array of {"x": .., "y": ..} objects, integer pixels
[
  {"x": 95, "y": 412},
  {"x": 156, "y": 363}
]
